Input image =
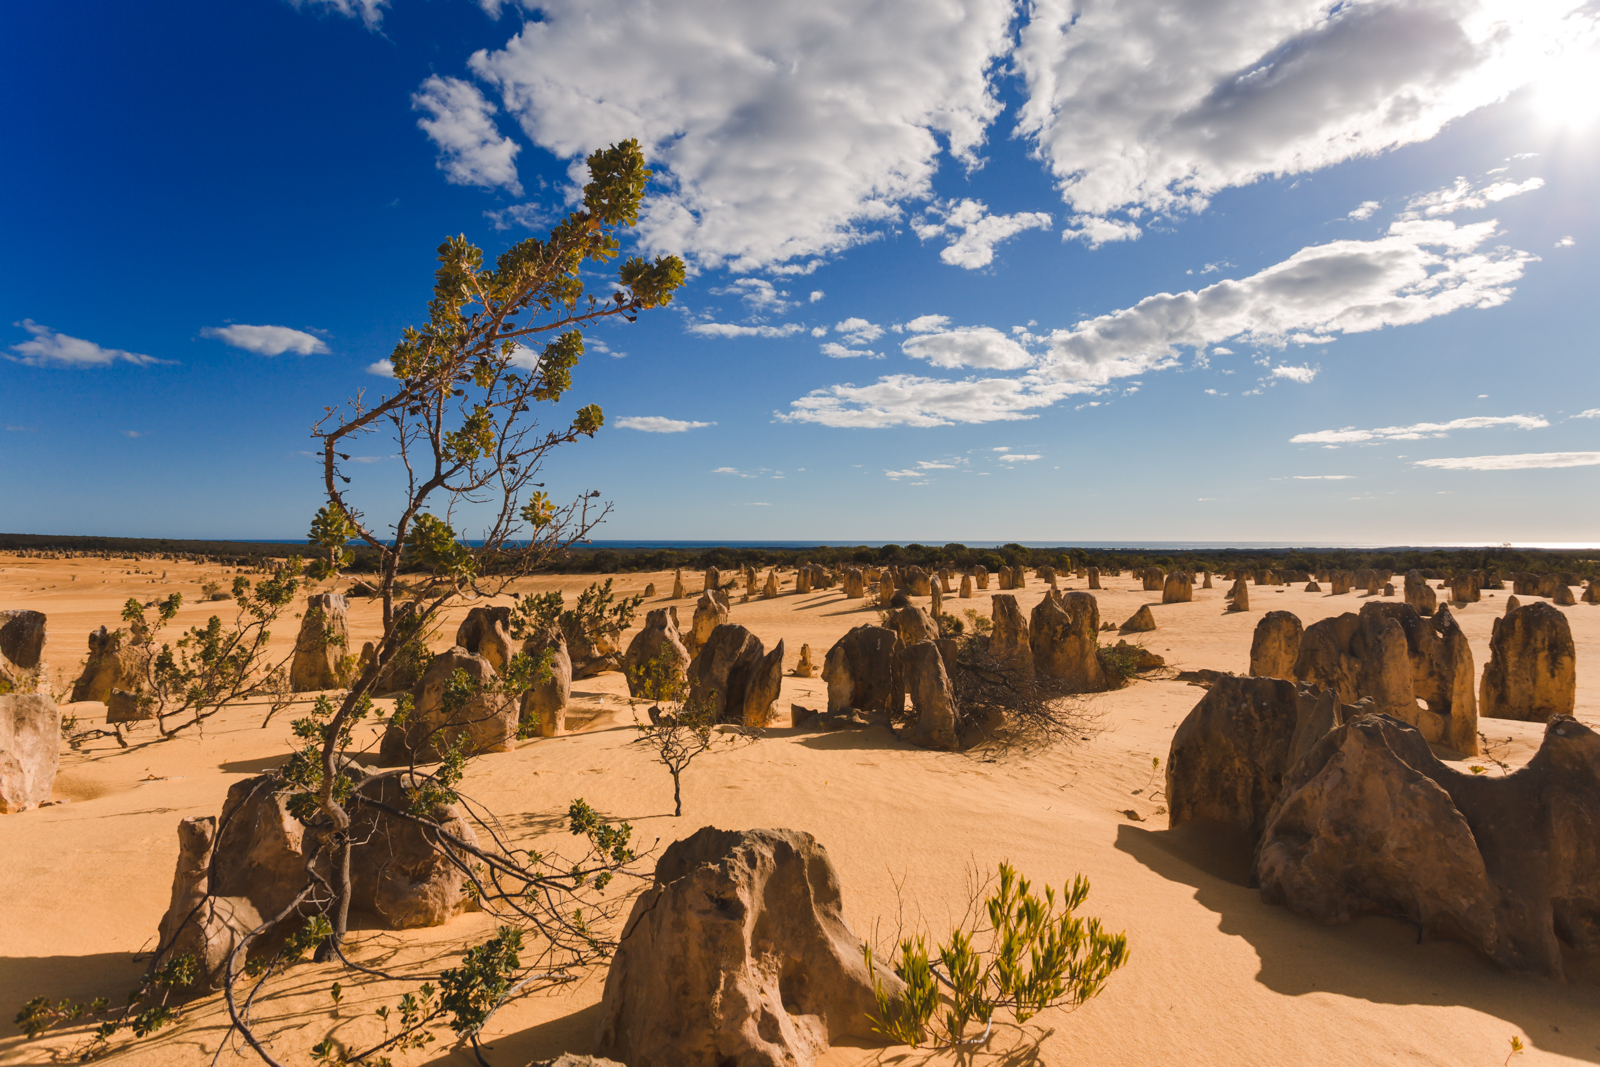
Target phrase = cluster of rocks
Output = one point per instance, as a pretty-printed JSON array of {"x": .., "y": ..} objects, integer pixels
[
  {"x": 1351, "y": 814},
  {"x": 727, "y": 672}
]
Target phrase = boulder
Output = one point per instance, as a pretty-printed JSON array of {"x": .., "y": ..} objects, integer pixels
[
  {"x": 1143, "y": 658},
  {"x": 1153, "y": 579},
  {"x": 1019, "y": 577},
  {"x": 1512, "y": 604},
  {"x": 1142, "y": 621},
  {"x": 912, "y": 624},
  {"x": 1006, "y": 580},
  {"x": 713, "y": 580},
  {"x": 966, "y": 587},
  {"x": 488, "y": 721},
  {"x": 657, "y": 655},
  {"x": 1370, "y": 822},
  {"x": 855, "y": 583},
  {"x": 1008, "y": 640},
  {"x": 710, "y": 612},
  {"x": 863, "y": 673},
  {"x": 1239, "y": 596},
  {"x": 23, "y": 634},
  {"x": 649, "y": 590},
  {"x": 1532, "y": 670},
  {"x": 1064, "y": 634},
  {"x": 1178, "y": 588},
  {"x": 1591, "y": 592},
  {"x": 592, "y": 653},
  {"x": 932, "y": 700},
  {"x": 765, "y": 684},
  {"x": 738, "y": 956},
  {"x": 805, "y": 668},
  {"x": 208, "y": 928},
  {"x": 30, "y": 750},
  {"x": 111, "y": 665},
  {"x": 1230, "y": 753},
  {"x": 1563, "y": 596},
  {"x": 734, "y": 678},
  {"x": 678, "y": 591},
  {"x": 1339, "y": 583},
  {"x": 1205, "y": 582},
  {"x": 917, "y": 582},
  {"x": 980, "y": 574},
  {"x": 802, "y": 579},
  {"x": 486, "y": 632},
  {"x": 321, "y": 646},
  {"x": 1419, "y": 595},
  {"x": 123, "y": 706},
  {"x": 1276, "y": 645},
  {"x": 545, "y": 705},
  {"x": 1388, "y": 589},
  {"x": 1464, "y": 588},
  {"x": 1313, "y": 587},
  {"x": 769, "y": 591},
  {"x": 1094, "y": 577}
]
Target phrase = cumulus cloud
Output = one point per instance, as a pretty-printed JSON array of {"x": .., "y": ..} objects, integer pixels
[
  {"x": 973, "y": 231},
  {"x": 816, "y": 294},
  {"x": 1464, "y": 196},
  {"x": 780, "y": 132},
  {"x": 1135, "y": 106},
  {"x": 1365, "y": 210},
  {"x": 858, "y": 331},
  {"x": 910, "y": 400},
  {"x": 834, "y": 350},
  {"x": 1565, "y": 242},
  {"x": 1591, "y": 413},
  {"x": 472, "y": 150},
  {"x": 383, "y": 368},
  {"x": 1017, "y": 457},
  {"x": 1525, "y": 461},
  {"x": 760, "y": 294},
  {"x": 1295, "y": 374},
  {"x": 1095, "y": 231},
  {"x": 370, "y": 12},
  {"x": 659, "y": 424},
  {"x": 977, "y": 346},
  {"x": 726, "y": 329},
  {"x": 902, "y": 474},
  {"x": 47, "y": 348},
  {"x": 925, "y": 324},
  {"x": 1418, "y": 430},
  {"x": 267, "y": 340}
]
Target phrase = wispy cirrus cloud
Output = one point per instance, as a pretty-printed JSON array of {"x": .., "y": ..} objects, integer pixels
[
  {"x": 1418, "y": 430},
  {"x": 659, "y": 424},
  {"x": 267, "y": 340},
  {"x": 728, "y": 329},
  {"x": 1463, "y": 196},
  {"x": 1524, "y": 461},
  {"x": 50, "y": 348},
  {"x": 370, "y": 12}
]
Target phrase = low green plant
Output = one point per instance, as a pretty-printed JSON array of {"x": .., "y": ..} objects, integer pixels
[{"x": 1037, "y": 956}]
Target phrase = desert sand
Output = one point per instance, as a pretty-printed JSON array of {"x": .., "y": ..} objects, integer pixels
[{"x": 1216, "y": 976}]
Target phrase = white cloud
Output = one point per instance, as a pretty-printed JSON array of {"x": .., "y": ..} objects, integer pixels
[
  {"x": 1323, "y": 477},
  {"x": 858, "y": 331},
  {"x": 979, "y": 346},
  {"x": 1218, "y": 350},
  {"x": 834, "y": 350},
  {"x": 383, "y": 368},
  {"x": 902, "y": 474},
  {"x": 370, "y": 12},
  {"x": 927, "y": 323},
  {"x": 1417, "y": 431},
  {"x": 267, "y": 340},
  {"x": 777, "y": 132},
  {"x": 1146, "y": 105},
  {"x": 1365, "y": 210},
  {"x": 909, "y": 400},
  {"x": 759, "y": 293},
  {"x": 1592, "y": 413},
  {"x": 1463, "y": 196},
  {"x": 816, "y": 294},
  {"x": 1526, "y": 461},
  {"x": 1295, "y": 374},
  {"x": 47, "y": 348},
  {"x": 923, "y": 464},
  {"x": 1017, "y": 457},
  {"x": 659, "y": 424},
  {"x": 1001, "y": 448},
  {"x": 973, "y": 231},
  {"x": 471, "y": 150},
  {"x": 735, "y": 471},
  {"x": 725, "y": 329},
  {"x": 1094, "y": 231},
  {"x": 1565, "y": 242}
]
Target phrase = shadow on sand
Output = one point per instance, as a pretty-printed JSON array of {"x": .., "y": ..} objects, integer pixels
[{"x": 1373, "y": 959}]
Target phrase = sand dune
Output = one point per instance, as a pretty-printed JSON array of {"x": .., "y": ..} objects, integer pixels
[{"x": 1216, "y": 976}]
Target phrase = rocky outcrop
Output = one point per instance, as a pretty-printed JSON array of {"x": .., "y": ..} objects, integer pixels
[
  {"x": 1464, "y": 588},
  {"x": 23, "y": 635},
  {"x": 863, "y": 673},
  {"x": 1064, "y": 634},
  {"x": 1141, "y": 622},
  {"x": 439, "y": 716},
  {"x": 1009, "y": 640},
  {"x": 710, "y": 612},
  {"x": 1094, "y": 577},
  {"x": 932, "y": 700},
  {"x": 30, "y": 745},
  {"x": 966, "y": 587},
  {"x": 486, "y": 632},
  {"x": 713, "y": 580},
  {"x": 855, "y": 583},
  {"x": 323, "y": 643},
  {"x": 1312, "y": 587},
  {"x": 1419, "y": 595},
  {"x": 1178, "y": 588},
  {"x": 208, "y": 928},
  {"x": 769, "y": 591},
  {"x": 917, "y": 582},
  {"x": 734, "y": 678},
  {"x": 1239, "y": 596},
  {"x": 1591, "y": 592},
  {"x": 980, "y": 574},
  {"x": 656, "y": 656},
  {"x": 1276, "y": 645},
  {"x": 1563, "y": 596},
  {"x": 1532, "y": 672},
  {"x": 805, "y": 668},
  {"x": 678, "y": 591},
  {"x": 738, "y": 956},
  {"x": 544, "y": 705},
  {"x": 1153, "y": 579},
  {"x": 1229, "y": 755},
  {"x": 1370, "y": 822},
  {"x": 111, "y": 665}
]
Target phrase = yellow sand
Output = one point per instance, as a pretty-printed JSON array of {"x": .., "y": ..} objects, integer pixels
[{"x": 1216, "y": 976}]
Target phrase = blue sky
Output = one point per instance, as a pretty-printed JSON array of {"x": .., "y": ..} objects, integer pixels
[{"x": 1138, "y": 271}]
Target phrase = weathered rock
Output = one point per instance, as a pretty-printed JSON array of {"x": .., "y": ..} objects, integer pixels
[
  {"x": 918, "y": 582},
  {"x": 863, "y": 673},
  {"x": 734, "y": 678},
  {"x": 802, "y": 579},
  {"x": 678, "y": 591},
  {"x": 208, "y": 928},
  {"x": 855, "y": 584},
  {"x": 1591, "y": 592},
  {"x": 1512, "y": 604},
  {"x": 1006, "y": 579},
  {"x": 123, "y": 706},
  {"x": 980, "y": 574},
  {"x": 1008, "y": 639},
  {"x": 966, "y": 587},
  {"x": 1094, "y": 577},
  {"x": 1370, "y": 822},
  {"x": 545, "y": 704},
  {"x": 572, "y": 1059},
  {"x": 1239, "y": 596},
  {"x": 765, "y": 684},
  {"x": 713, "y": 580},
  {"x": 1152, "y": 579},
  {"x": 1141, "y": 622},
  {"x": 1205, "y": 582},
  {"x": 1388, "y": 589},
  {"x": 1419, "y": 595},
  {"x": 1464, "y": 588},
  {"x": 1064, "y": 634},
  {"x": 805, "y": 668},
  {"x": 30, "y": 744},
  {"x": 23, "y": 635},
  {"x": 592, "y": 652},
  {"x": 944, "y": 582},
  {"x": 649, "y": 590},
  {"x": 913, "y": 624},
  {"x": 1339, "y": 583},
  {"x": 928, "y": 687},
  {"x": 1563, "y": 596},
  {"x": 1229, "y": 755},
  {"x": 1143, "y": 658},
  {"x": 486, "y": 632},
  {"x": 1178, "y": 588},
  {"x": 656, "y": 655},
  {"x": 1313, "y": 587},
  {"x": 886, "y": 587},
  {"x": 709, "y": 613},
  {"x": 738, "y": 956},
  {"x": 111, "y": 665},
  {"x": 487, "y": 721},
  {"x": 1532, "y": 669},
  {"x": 769, "y": 591},
  {"x": 323, "y": 643},
  {"x": 1276, "y": 645},
  {"x": 1019, "y": 577}
]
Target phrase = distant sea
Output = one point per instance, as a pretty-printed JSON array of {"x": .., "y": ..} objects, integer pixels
[{"x": 1129, "y": 546}]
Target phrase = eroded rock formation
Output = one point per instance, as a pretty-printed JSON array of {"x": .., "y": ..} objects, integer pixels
[
  {"x": 439, "y": 716},
  {"x": 1141, "y": 622},
  {"x": 657, "y": 655},
  {"x": 1532, "y": 671},
  {"x": 863, "y": 673},
  {"x": 1276, "y": 645},
  {"x": 1064, "y": 632},
  {"x": 30, "y": 744},
  {"x": 323, "y": 643}
]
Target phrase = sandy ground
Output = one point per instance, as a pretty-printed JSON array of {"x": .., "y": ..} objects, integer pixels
[{"x": 1216, "y": 976}]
